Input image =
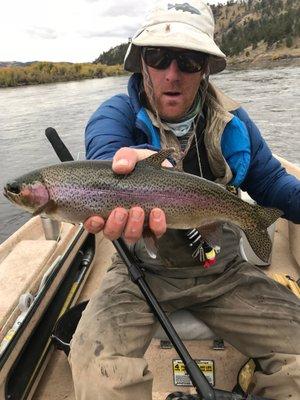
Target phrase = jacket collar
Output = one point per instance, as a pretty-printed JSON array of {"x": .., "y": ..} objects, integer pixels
[
  {"x": 133, "y": 88},
  {"x": 219, "y": 115},
  {"x": 227, "y": 103}
]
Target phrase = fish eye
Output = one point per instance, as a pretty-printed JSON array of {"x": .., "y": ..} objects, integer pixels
[{"x": 13, "y": 187}]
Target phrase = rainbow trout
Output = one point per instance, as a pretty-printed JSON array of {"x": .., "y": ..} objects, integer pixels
[{"x": 73, "y": 191}]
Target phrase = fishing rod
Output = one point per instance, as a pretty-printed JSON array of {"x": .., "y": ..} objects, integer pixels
[{"x": 205, "y": 390}]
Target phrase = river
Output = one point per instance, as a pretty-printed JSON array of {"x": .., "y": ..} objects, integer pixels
[{"x": 271, "y": 96}]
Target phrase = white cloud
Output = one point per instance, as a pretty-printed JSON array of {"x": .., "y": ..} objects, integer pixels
[
  {"x": 67, "y": 30},
  {"x": 126, "y": 8},
  {"x": 41, "y": 32}
]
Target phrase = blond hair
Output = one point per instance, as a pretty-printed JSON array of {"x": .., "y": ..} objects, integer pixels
[{"x": 149, "y": 90}]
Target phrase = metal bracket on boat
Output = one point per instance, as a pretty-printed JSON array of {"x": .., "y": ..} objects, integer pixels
[
  {"x": 25, "y": 302},
  {"x": 52, "y": 229}
]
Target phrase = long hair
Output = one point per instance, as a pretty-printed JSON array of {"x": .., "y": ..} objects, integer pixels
[{"x": 149, "y": 91}]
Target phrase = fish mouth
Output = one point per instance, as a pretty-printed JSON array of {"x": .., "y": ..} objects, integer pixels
[
  {"x": 30, "y": 197},
  {"x": 12, "y": 188},
  {"x": 6, "y": 193},
  {"x": 10, "y": 195}
]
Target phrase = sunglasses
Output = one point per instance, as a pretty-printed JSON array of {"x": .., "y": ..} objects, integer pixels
[{"x": 187, "y": 61}]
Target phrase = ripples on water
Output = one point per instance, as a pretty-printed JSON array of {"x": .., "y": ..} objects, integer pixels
[{"x": 270, "y": 96}]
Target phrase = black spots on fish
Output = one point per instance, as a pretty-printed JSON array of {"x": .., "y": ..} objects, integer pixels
[
  {"x": 99, "y": 348},
  {"x": 157, "y": 159},
  {"x": 260, "y": 242}
]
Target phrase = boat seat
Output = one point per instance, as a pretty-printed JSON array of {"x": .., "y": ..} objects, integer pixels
[{"x": 187, "y": 326}]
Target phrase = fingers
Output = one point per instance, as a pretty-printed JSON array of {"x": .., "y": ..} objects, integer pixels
[
  {"x": 94, "y": 224},
  {"x": 167, "y": 164},
  {"x": 135, "y": 225},
  {"x": 124, "y": 160},
  {"x": 130, "y": 224},
  {"x": 116, "y": 223},
  {"x": 157, "y": 222}
]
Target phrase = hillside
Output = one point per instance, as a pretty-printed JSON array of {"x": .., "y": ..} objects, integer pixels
[
  {"x": 250, "y": 32},
  {"x": 259, "y": 32}
]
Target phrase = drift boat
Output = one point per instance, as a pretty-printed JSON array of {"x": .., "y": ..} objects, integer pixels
[{"x": 47, "y": 267}]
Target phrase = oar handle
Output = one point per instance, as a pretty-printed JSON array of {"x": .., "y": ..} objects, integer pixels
[{"x": 58, "y": 145}]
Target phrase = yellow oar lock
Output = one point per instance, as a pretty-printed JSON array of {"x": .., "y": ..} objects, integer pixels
[{"x": 288, "y": 282}]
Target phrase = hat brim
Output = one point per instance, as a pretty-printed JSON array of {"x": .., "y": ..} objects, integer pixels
[{"x": 178, "y": 35}]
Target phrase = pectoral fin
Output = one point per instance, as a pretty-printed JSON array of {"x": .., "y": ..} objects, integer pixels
[
  {"x": 211, "y": 233},
  {"x": 150, "y": 243}
]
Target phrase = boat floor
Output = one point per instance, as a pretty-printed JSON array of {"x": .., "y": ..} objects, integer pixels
[{"x": 56, "y": 382}]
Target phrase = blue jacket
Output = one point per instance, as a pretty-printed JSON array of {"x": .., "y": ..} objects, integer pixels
[{"x": 121, "y": 121}]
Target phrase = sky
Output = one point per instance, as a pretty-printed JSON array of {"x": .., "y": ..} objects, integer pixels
[{"x": 67, "y": 30}]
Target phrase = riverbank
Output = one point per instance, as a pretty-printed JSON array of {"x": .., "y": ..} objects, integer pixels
[
  {"x": 49, "y": 72},
  {"x": 264, "y": 57}
]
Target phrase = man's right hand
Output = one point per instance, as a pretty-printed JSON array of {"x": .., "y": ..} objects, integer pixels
[{"x": 122, "y": 222}]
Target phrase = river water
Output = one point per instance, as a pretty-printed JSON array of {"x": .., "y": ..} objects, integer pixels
[{"x": 270, "y": 96}]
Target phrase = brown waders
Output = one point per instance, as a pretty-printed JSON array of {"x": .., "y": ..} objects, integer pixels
[{"x": 235, "y": 299}]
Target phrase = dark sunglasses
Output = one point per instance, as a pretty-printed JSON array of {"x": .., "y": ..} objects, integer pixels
[{"x": 187, "y": 61}]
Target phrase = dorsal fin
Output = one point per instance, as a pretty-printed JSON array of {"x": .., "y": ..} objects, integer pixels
[{"x": 158, "y": 158}]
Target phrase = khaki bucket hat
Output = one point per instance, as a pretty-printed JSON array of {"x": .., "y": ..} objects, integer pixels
[{"x": 172, "y": 23}]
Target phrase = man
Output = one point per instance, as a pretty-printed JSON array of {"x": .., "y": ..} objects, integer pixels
[{"x": 172, "y": 104}]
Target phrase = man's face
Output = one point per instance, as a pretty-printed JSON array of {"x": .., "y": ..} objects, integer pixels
[{"x": 174, "y": 90}]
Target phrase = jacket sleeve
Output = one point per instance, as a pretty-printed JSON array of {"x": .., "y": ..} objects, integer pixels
[
  {"x": 110, "y": 128},
  {"x": 236, "y": 148},
  {"x": 267, "y": 182}
]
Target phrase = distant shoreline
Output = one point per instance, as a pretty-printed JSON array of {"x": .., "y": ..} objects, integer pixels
[
  {"x": 263, "y": 63},
  {"x": 41, "y": 72},
  {"x": 262, "y": 57},
  {"x": 21, "y": 85},
  {"x": 233, "y": 64}
]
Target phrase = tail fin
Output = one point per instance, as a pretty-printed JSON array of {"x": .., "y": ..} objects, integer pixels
[
  {"x": 267, "y": 216},
  {"x": 260, "y": 243},
  {"x": 259, "y": 238}
]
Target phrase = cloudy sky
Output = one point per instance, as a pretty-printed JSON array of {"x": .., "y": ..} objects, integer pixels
[{"x": 67, "y": 30}]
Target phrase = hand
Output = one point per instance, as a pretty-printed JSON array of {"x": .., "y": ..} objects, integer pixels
[{"x": 120, "y": 221}]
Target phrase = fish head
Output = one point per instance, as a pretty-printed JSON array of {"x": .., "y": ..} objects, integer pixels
[{"x": 28, "y": 192}]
